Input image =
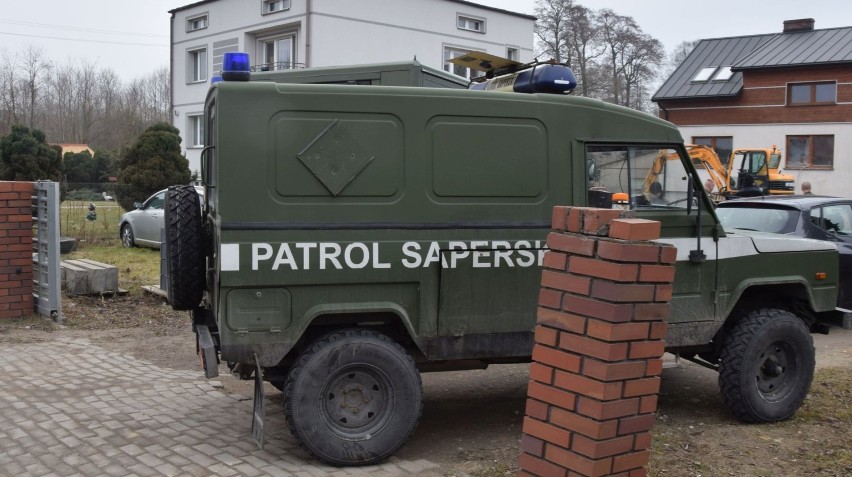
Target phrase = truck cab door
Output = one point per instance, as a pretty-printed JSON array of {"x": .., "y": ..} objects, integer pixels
[
  {"x": 751, "y": 164},
  {"x": 656, "y": 179}
]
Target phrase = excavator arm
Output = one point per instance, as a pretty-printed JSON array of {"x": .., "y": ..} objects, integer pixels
[{"x": 702, "y": 153}]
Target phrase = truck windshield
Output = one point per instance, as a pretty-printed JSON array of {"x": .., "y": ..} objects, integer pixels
[{"x": 637, "y": 176}]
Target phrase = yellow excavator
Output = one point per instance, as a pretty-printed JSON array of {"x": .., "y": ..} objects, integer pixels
[
  {"x": 759, "y": 164},
  {"x": 762, "y": 165}
]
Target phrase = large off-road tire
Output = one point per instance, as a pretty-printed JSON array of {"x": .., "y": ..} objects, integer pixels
[
  {"x": 766, "y": 366},
  {"x": 184, "y": 248},
  {"x": 353, "y": 398}
]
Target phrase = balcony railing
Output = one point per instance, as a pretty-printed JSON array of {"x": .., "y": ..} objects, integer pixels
[{"x": 277, "y": 66}]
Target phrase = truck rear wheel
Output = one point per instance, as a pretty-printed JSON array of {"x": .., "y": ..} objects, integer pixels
[
  {"x": 766, "y": 366},
  {"x": 184, "y": 250},
  {"x": 353, "y": 398}
]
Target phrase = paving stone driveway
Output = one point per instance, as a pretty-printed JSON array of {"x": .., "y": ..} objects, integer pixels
[{"x": 69, "y": 408}]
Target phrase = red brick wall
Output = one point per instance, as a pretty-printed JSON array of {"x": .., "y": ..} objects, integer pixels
[
  {"x": 16, "y": 247},
  {"x": 592, "y": 396}
]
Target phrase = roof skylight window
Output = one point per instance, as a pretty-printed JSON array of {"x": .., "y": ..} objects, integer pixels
[
  {"x": 724, "y": 74},
  {"x": 705, "y": 74}
]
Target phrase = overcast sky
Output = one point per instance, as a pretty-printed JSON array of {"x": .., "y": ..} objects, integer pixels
[{"x": 132, "y": 37}]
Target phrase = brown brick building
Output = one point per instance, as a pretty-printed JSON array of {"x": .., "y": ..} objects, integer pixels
[{"x": 791, "y": 89}]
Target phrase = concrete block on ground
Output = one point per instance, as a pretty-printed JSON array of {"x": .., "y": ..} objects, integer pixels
[
  {"x": 85, "y": 277},
  {"x": 75, "y": 280}
]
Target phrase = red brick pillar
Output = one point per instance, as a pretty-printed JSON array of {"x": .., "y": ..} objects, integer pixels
[
  {"x": 16, "y": 248},
  {"x": 592, "y": 396}
]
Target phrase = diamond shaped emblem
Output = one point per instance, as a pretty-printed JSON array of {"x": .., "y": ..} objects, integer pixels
[{"x": 335, "y": 157}]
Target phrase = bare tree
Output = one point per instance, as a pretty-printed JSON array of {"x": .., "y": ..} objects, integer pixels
[
  {"x": 35, "y": 68},
  {"x": 676, "y": 56},
  {"x": 59, "y": 101},
  {"x": 612, "y": 57},
  {"x": 585, "y": 45},
  {"x": 110, "y": 99},
  {"x": 551, "y": 29},
  {"x": 618, "y": 32},
  {"x": 79, "y": 102},
  {"x": 638, "y": 62},
  {"x": 85, "y": 97}
]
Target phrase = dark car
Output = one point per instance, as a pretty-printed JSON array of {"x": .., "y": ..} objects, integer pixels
[{"x": 810, "y": 216}]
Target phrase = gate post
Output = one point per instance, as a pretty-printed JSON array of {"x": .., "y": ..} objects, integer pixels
[
  {"x": 16, "y": 248},
  {"x": 603, "y": 306}
]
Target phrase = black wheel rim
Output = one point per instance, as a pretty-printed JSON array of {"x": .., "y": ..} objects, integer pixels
[
  {"x": 357, "y": 402},
  {"x": 777, "y": 370}
]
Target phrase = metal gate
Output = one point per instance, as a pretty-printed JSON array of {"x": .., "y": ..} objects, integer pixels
[{"x": 47, "y": 281}]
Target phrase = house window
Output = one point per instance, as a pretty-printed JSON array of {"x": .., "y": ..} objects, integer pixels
[
  {"x": 705, "y": 74},
  {"x": 278, "y": 53},
  {"x": 512, "y": 54},
  {"x": 724, "y": 74},
  {"x": 196, "y": 67},
  {"x": 470, "y": 24},
  {"x": 723, "y": 145},
  {"x": 272, "y": 6},
  {"x": 812, "y": 93},
  {"x": 810, "y": 152},
  {"x": 449, "y": 54},
  {"x": 195, "y": 130},
  {"x": 198, "y": 22}
]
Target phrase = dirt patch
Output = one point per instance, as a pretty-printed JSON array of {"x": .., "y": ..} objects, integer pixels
[{"x": 472, "y": 420}]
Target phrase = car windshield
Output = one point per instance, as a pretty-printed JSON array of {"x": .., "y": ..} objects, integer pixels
[{"x": 779, "y": 220}]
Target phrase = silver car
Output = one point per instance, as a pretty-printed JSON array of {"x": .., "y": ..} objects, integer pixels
[{"x": 143, "y": 227}]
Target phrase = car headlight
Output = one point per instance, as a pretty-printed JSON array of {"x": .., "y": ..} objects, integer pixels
[{"x": 790, "y": 184}]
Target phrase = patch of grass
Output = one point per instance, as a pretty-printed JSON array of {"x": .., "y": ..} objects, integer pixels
[
  {"x": 136, "y": 266},
  {"x": 814, "y": 442},
  {"x": 73, "y": 221},
  {"x": 828, "y": 408},
  {"x": 830, "y": 398}
]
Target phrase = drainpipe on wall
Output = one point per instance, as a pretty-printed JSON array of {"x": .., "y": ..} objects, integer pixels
[
  {"x": 308, "y": 33},
  {"x": 172, "y": 68},
  {"x": 665, "y": 112}
]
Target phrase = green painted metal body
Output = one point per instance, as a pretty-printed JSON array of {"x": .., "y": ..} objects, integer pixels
[{"x": 426, "y": 211}]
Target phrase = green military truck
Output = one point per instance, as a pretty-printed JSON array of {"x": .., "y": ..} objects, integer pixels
[{"x": 352, "y": 237}]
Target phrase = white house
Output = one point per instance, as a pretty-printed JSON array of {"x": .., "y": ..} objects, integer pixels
[
  {"x": 792, "y": 89},
  {"x": 282, "y": 34}
]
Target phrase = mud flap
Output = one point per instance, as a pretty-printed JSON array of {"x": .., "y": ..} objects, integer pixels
[
  {"x": 845, "y": 318},
  {"x": 207, "y": 351},
  {"x": 258, "y": 409}
]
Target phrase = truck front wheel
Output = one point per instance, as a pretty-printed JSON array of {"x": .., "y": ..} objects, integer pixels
[
  {"x": 353, "y": 398},
  {"x": 766, "y": 366}
]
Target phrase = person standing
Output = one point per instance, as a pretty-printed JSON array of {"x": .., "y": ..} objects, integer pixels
[{"x": 806, "y": 188}]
